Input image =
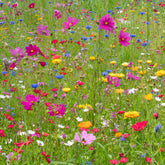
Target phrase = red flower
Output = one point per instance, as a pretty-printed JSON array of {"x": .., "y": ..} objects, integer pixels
[
  {"x": 63, "y": 73},
  {"x": 124, "y": 160},
  {"x": 148, "y": 160},
  {"x": 54, "y": 89},
  {"x": 13, "y": 89},
  {"x": 44, "y": 154},
  {"x": 90, "y": 148},
  {"x": 95, "y": 130},
  {"x": 120, "y": 112},
  {"x": 54, "y": 41},
  {"x": 31, "y": 5},
  {"x": 160, "y": 96},
  {"x": 8, "y": 116},
  {"x": 80, "y": 83},
  {"x": 37, "y": 91},
  {"x": 17, "y": 150},
  {"x": 10, "y": 126},
  {"x": 48, "y": 160},
  {"x": 48, "y": 104},
  {"x": 139, "y": 126},
  {"x": 121, "y": 154},
  {"x": 42, "y": 63},
  {"x": 161, "y": 149},
  {"x": 156, "y": 115},
  {"x": 2, "y": 133},
  {"x": 32, "y": 50},
  {"x": 5, "y": 81},
  {"x": 114, "y": 161},
  {"x": 44, "y": 94}
]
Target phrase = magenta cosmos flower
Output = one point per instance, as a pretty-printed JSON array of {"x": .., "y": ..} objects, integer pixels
[
  {"x": 85, "y": 138},
  {"x": 32, "y": 5},
  {"x": 71, "y": 22},
  {"x": 57, "y": 14},
  {"x": 32, "y": 50},
  {"x": 57, "y": 110},
  {"x": 17, "y": 53},
  {"x": 106, "y": 23},
  {"x": 124, "y": 38},
  {"x": 42, "y": 30}
]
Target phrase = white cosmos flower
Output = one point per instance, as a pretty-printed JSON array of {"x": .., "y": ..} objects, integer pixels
[
  {"x": 157, "y": 99},
  {"x": 31, "y": 132},
  {"x": 2, "y": 96},
  {"x": 86, "y": 110},
  {"x": 61, "y": 126},
  {"x": 9, "y": 141},
  {"x": 153, "y": 77},
  {"x": 79, "y": 119},
  {"x": 156, "y": 90},
  {"x": 20, "y": 81},
  {"x": 22, "y": 133},
  {"x": 69, "y": 143},
  {"x": 132, "y": 91},
  {"x": 162, "y": 104},
  {"x": 0, "y": 147},
  {"x": 142, "y": 54},
  {"x": 40, "y": 143}
]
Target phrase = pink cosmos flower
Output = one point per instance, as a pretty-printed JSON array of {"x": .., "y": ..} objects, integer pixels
[
  {"x": 113, "y": 80},
  {"x": 114, "y": 161},
  {"x": 31, "y": 5},
  {"x": 86, "y": 139},
  {"x": 124, "y": 38},
  {"x": 12, "y": 66},
  {"x": 123, "y": 160},
  {"x": 18, "y": 53},
  {"x": 42, "y": 30},
  {"x": 106, "y": 23},
  {"x": 32, "y": 50},
  {"x": 131, "y": 76},
  {"x": 71, "y": 22},
  {"x": 139, "y": 125},
  {"x": 57, "y": 14},
  {"x": 57, "y": 110}
]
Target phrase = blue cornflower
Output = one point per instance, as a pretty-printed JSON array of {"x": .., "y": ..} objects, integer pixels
[
  {"x": 159, "y": 126},
  {"x": 85, "y": 38},
  {"x": 109, "y": 71},
  {"x": 60, "y": 76},
  {"x": 156, "y": 129},
  {"x": 13, "y": 73},
  {"x": 72, "y": 32},
  {"x": 13, "y": 114},
  {"x": 4, "y": 72},
  {"x": 55, "y": 70},
  {"x": 12, "y": 22},
  {"x": 147, "y": 23},
  {"x": 106, "y": 35},
  {"x": 20, "y": 20},
  {"x": 34, "y": 85},
  {"x": 138, "y": 40},
  {"x": 142, "y": 13},
  {"x": 109, "y": 11},
  {"x": 118, "y": 7},
  {"x": 132, "y": 35},
  {"x": 144, "y": 44},
  {"x": 123, "y": 139},
  {"x": 92, "y": 19},
  {"x": 88, "y": 27},
  {"x": 104, "y": 73},
  {"x": 156, "y": 21}
]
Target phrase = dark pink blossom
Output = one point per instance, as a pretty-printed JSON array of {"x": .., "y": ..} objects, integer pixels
[
  {"x": 57, "y": 14},
  {"x": 70, "y": 23},
  {"x": 32, "y": 50},
  {"x": 42, "y": 30},
  {"x": 124, "y": 38}
]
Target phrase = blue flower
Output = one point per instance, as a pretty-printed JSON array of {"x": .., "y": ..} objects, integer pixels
[
  {"x": 138, "y": 40},
  {"x": 55, "y": 70},
  {"x": 106, "y": 35},
  {"x": 20, "y": 20},
  {"x": 12, "y": 22},
  {"x": 156, "y": 129},
  {"x": 13, "y": 73},
  {"x": 147, "y": 23},
  {"x": 123, "y": 139},
  {"x": 159, "y": 126},
  {"x": 132, "y": 35},
  {"x": 109, "y": 71},
  {"x": 13, "y": 114},
  {"x": 34, "y": 85},
  {"x": 104, "y": 73},
  {"x": 144, "y": 44},
  {"x": 109, "y": 11},
  {"x": 4, "y": 72},
  {"x": 60, "y": 76},
  {"x": 85, "y": 38},
  {"x": 142, "y": 13},
  {"x": 88, "y": 27},
  {"x": 118, "y": 7},
  {"x": 72, "y": 32},
  {"x": 156, "y": 21}
]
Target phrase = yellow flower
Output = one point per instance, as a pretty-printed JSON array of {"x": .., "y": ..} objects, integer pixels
[
  {"x": 140, "y": 61},
  {"x": 142, "y": 72},
  {"x": 131, "y": 114},
  {"x": 66, "y": 90},
  {"x": 92, "y": 58},
  {"x": 112, "y": 74},
  {"x": 125, "y": 64},
  {"x": 104, "y": 79},
  {"x": 81, "y": 106},
  {"x": 148, "y": 97},
  {"x": 88, "y": 106},
  {"x": 118, "y": 134},
  {"x": 56, "y": 61},
  {"x": 113, "y": 62},
  {"x": 101, "y": 60},
  {"x": 135, "y": 68},
  {"x": 119, "y": 91},
  {"x": 40, "y": 18},
  {"x": 85, "y": 125},
  {"x": 149, "y": 61},
  {"x": 120, "y": 75},
  {"x": 28, "y": 38},
  {"x": 155, "y": 65},
  {"x": 158, "y": 12},
  {"x": 160, "y": 73}
]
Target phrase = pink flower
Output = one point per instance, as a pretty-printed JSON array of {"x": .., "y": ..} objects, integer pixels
[
  {"x": 114, "y": 161},
  {"x": 42, "y": 63},
  {"x": 32, "y": 50},
  {"x": 124, "y": 38},
  {"x": 148, "y": 160},
  {"x": 139, "y": 126},
  {"x": 86, "y": 139},
  {"x": 17, "y": 53},
  {"x": 71, "y": 22},
  {"x": 106, "y": 23},
  {"x": 57, "y": 110},
  {"x": 57, "y": 14},
  {"x": 31, "y": 5},
  {"x": 123, "y": 160},
  {"x": 42, "y": 30}
]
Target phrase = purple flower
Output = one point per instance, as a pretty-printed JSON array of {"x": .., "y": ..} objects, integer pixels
[
  {"x": 57, "y": 14},
  {"x": 42, "y": 30},
  {"x": 106, "y": 23},
  {"x": 86, "y": 139},
  {"x": 124, "y": 38},
  {"x": 131, "y": 76},
  {"x": 11, "y": 154},
  {"x": 57, "y": 110}
]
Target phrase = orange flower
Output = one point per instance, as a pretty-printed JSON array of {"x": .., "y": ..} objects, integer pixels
[
  {"x": 119, "y": 91},
  {"x": 148, "y": 97},
  {"x": 118, "y": 134},
  {"x": 56, "y": 57},
  {"x": 85, "y": 125}
]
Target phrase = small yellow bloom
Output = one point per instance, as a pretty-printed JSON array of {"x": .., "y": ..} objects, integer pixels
[
  {"x": 140, "y": 61},
  {"x": 131, "y": 114},
  {"x": 66, "y": 90},
  {"x": 112, "y": 74},
  {"x": 120, "y": 75},
  {"x": 28, "y": 38},
  {"x": 119, "y": 91},
  {"x": 92, "y": 58},
  {"x": 81, "y": 106},
  {"x": 118, "y": 134},
  {"x": 148, "y": 97},
  {"x": 155, "y": 65},
  {"x": 135, "y": 68},
  {"x": 142, "y": 72},
  {"x": 104, "y": 79},
  {"x": 158, "y": 12},
  {"x": 148, "y": 61},
  {"x": 160, "y": 73},
  {"x": 113, "y": 62},
  {"x": 125, "y": 64},
  {"x": 101, "y": 60},
  {"x": 40, "y": 18},
  {"x": 56, "y": 61}
]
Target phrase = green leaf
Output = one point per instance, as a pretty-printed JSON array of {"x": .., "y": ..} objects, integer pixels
[
  {"x": 56, "y": 163},
  {"x": 110, "y": 156},
  {"x": 101, "y": 146},
  {"x": 131, "y": 163}
]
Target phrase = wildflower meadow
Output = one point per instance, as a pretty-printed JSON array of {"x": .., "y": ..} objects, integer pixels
[{"x": 82, "y": 82}]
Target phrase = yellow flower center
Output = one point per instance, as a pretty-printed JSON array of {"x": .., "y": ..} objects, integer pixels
[
  {"x": 122, "y": 39},
  {"x": 70, "y": 24},
  {"x": 32, "y": 51},
  {"x": 106, "y": 23}
]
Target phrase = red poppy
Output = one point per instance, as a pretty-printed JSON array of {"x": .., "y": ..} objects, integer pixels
[
  {"x": 17, "y": 150},
  {"x": 139, "y": 125}
]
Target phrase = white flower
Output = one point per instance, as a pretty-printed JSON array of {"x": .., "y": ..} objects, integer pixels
[
  {"x": 69, "y": 143},
  {"x": 20, "y": 81},
  {"x": 142, "y": 54},
  {"x": 132, "y": 91},
  {"x": 9, "y": 141},
  {"x": 162, "y": 104},
  {"x": 15, "y": 68},
  {"x": 153, "y": 77},
  {"x": 79, "y": 119},
  {"x": 156, "y": 90},
  {"x": 23, "y": 87},
  {"x": 31, "y": 132},
  {"x": 86, "y": 110},
  {"x": 61, "y": 126},
  {"x": 0, "y": 147},
  {"x": 157, "y": 99},
  {"x": 8, "y": 96},
  {"x": 40, "y": 143},
  {"x": 22, "y": 133},
  {"x": 2, "y": 96}
]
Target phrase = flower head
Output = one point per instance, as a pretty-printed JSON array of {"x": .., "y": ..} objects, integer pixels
[
  {"x": 124, "y": 38},
  {"x": 70, "y": 23},
  {"x": 32, "y": 50},
  {"x": 42, "y": 30},
  {"x": 139, "y": 126},
  {"x": 57, "y": 14}
]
